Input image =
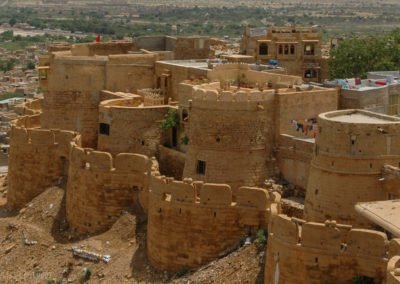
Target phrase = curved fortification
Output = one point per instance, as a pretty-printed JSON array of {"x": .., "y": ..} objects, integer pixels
[
  {"x": 37, "y": 159},
  {"x": 192, "y": 223},
  {"x": 230, "y": 136},
  {"x": 101, "y": 187},
  {"x": 351, "y": 149},
  {"x": 132, "y": 127},
  {"x": 308, "y": 252}
]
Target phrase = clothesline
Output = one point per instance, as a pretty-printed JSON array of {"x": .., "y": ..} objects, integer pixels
[{"x": 306, "y": 126}]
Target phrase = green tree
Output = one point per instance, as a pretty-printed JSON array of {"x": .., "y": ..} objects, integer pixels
[
  {"x": 12, "y": 21},
  {"x": 30, "y": 65},
  {"x": 356, "y": 56}
]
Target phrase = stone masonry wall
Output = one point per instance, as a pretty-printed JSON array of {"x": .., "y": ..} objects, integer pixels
[
  {"x": 190, "y": 224},
  {"x": 100, "y": 187},
  {"x": 307, "y": 252},
  {"x": 347, "y": 166},
  {"x": 233, "y": 134},
  {"x": 294, "y": 157},
  {"x": 38, "y": 158},
  {"x": 132, "y": 128}
]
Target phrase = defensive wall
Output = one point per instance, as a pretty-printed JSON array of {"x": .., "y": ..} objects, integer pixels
[
  {"x": 390, "y": 181},
  {"x": 192, "y": 223},
  {"x": 29, "y": 108},
  {"x": 72, "y": 85},
  {"x": 101, "y": 187},
  {"x": 38, "y": 158},
  {"x": 236, "y": 71},
  {"x": 172, "y": 73},
  {"x": 297, "y": 109},
  {"x": 294, "y": 157},
  {"x": 103, "y": 48},
  {"x": 132, "y": 127},
  {"x": 351, "y": 150},
  {"x": 393, "y": 270},
  {"x": 230, "y": 135},
  {"x": 308, "y": 252}
]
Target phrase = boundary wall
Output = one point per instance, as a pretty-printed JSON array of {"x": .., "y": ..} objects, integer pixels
[
  {"x": 193, "y": 223},
  {"x": 100, "y": 187},
  {"x": 29, "y": 108},
  {"x": 38, "y": 158},
  {"x": 308, "y": 252},
  {"x": 294, "y": 156}
]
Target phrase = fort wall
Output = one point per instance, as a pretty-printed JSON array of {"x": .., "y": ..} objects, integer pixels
[
  {"x": 393, "y": 270},
  {"x": 192, "y": 223},
  {"x": 101, "y": 187},
  {"x": 73, "y": 84},
  {"x": 133, "y": 128},
  {"x": 175, "y": 74},
  {"x": 307, "y": 252},
  {"x": 232, "y": 133},
  {"x": 38, "y": 158},
  {"x": 234, "y": 71},
  {"x": 29, "y": 108},
  {"x": 300, "y": 108},
  {"x": 294, "y": 157},
  {"x": 347, "y": 165}
]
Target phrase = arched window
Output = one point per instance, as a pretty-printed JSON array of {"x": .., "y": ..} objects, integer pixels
[
  {"x": 292, "y": 49},
  {"x": 280, "y": 49},
  {"x": 263, "y": 49}
]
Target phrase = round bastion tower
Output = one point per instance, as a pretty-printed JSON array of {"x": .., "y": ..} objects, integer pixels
[
  {"x": 351, "y": 149},
  {"x": 230, "y": 135}
]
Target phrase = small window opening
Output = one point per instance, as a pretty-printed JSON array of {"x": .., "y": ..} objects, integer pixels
[
  {"x": 104, "y": 129},
  {"x": 263, "y": 49},
  {"x": 201, "y": 167}
]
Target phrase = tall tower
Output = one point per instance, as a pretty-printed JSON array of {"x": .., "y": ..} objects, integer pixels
[{"x": 350, "y": 152}]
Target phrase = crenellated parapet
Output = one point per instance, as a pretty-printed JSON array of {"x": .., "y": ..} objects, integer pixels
[
  {"x": 100, "y": 187},
  {"x": 231, "y": 133},
  {"x": 310, "y": 252},
  {"x": 37, "y": 159},
  {"x": 191, "y": 223}
]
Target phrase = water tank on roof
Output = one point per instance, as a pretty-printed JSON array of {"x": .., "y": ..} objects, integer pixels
[{"x": 273, "y": 62}]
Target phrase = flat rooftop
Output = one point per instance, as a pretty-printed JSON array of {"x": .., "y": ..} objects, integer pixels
[
  {"x": 360, "y": 116},
  {"x": 383, "y": 213},
  {"x": 187, "y": 63}
]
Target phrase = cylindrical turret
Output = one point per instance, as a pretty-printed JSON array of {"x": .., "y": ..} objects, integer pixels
[
  {"x": 350, "y": 151},
  {"x": 230, "y": 135}
]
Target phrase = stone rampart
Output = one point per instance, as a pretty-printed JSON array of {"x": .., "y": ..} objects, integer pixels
[
  {"x": 308, "y": 252},
  {"x": 192, "y": 223},
  {"x": 232, "y": 133},
  {"x": 294, "y": 157},
  {"x": 101, "y": 187},
  {"x": 132, "y": 128},
  {"x": 37, "y": 159},
  {"x": 29, "y": 108},
  {"x": 347, "y": 164}
]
